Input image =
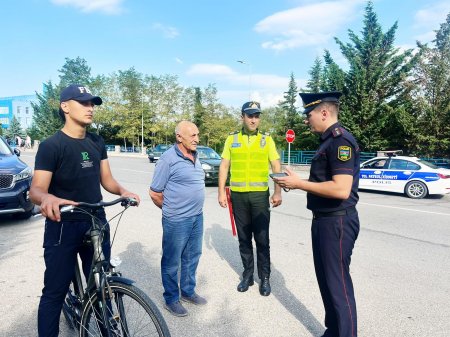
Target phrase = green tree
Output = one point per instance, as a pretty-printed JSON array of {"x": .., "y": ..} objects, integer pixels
[
  {"x": 432, "y": 95},
  {"x": 315, "y": 82},
  {"x": 333, "y": 77},
  {"x": 376, "y": 82},
  {"x": 218, "y": 120},
  {"x": 75, "y": 71},
  {"x": 288, "y": 117},
  {"x": 129, "y": 118},
  {"x": 46, "y": 120},
  {"x": 199, "y": 112},
  {"x": 107, "y": 116},
  {"x": 164, "y": 96},
  {"x": 14, "y": 129}
]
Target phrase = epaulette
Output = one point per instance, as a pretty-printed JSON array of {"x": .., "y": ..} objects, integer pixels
[
  {"x": 265, "y": 133},
  {"x": 234, "y": 132},
  {"x": 337, "y": 132}
]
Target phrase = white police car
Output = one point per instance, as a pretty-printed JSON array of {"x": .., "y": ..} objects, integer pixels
[{"x": 401, "y": 174}]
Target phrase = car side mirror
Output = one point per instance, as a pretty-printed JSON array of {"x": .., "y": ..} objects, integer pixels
[{"x": 16, "y": 152}]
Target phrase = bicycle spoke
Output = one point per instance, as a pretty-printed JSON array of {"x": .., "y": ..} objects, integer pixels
[{"x": 130, "y": 314}]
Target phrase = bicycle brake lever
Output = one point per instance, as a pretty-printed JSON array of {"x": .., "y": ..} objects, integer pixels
[{"x": 129, "y": 201}]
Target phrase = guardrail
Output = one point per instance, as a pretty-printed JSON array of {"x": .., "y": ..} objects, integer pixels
[{"x": 439, "y": 162}]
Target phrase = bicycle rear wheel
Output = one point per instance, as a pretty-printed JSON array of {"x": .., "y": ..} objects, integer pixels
[{"x": 130, "y": 312}]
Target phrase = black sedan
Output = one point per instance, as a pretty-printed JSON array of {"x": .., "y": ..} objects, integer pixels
[{"x": 210, "y": 161}]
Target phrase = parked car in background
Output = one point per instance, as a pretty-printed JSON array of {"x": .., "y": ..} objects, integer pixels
[
  {"x": 210, "y": 161},
  {"x": 155, "y": 153},
  {"x": 15, "y": 182},
  {"x": 414, "y": 177}
]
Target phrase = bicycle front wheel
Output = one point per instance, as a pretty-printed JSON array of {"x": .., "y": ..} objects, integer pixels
[{"x": 130, "y": 313}]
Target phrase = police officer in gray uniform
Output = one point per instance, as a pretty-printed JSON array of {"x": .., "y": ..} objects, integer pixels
[{"x": 332, "y": 194}]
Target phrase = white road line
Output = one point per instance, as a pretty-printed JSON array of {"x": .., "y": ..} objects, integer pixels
[
  {"x": 386, "y": 206},
  {"x": 403, "y": 208}
]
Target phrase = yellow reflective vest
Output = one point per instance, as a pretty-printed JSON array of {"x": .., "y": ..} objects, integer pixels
[{"x": 250, "y": 161}]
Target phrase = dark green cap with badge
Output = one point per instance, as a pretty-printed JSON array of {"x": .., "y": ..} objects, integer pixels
[
  {"x": 251, "y": 108},
  {"x": 312, "y": 100}
]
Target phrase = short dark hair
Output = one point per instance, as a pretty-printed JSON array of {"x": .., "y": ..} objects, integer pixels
[
  {"x": 332, "y": 106},
  {"x": 62, "y": 115}
]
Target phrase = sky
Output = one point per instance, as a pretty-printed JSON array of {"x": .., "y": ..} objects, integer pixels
[{"x": 199, "y": 41}]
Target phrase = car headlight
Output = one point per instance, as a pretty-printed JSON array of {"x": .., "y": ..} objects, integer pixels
[
  {"x": 26, "y": 173},
  {"x": 206, "y": 166}
]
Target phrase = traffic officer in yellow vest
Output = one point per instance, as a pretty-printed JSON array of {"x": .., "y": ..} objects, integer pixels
[{"x": 248, "y": 153}]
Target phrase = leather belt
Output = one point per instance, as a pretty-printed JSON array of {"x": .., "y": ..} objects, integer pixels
[{"x": 347, "y": 211}]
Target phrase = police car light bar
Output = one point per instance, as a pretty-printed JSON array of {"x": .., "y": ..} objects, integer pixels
[{"x": 392, "y": 153}]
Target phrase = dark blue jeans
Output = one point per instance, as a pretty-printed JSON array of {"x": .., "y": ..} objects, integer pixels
[
  {"x": 62, "y": 241},
  {"x": 182, "y": 241}
]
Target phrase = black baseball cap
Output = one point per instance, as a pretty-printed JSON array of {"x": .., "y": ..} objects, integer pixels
[{"x": 78, "y": 93}]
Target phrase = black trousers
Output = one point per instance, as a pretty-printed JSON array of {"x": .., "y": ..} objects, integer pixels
[
  {"x": 333, "y": 239},
  {"x": 62, "y": 242},
  {"x": 252, "y": 216}
]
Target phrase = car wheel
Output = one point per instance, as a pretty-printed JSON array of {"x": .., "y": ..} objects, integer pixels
[{"x": 416, "y": 190}]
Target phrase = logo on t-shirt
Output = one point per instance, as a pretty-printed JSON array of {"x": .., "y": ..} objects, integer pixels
[{"x": 85, "y": 160}]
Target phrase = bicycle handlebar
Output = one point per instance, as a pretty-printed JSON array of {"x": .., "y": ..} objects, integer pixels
[{"x": 124, "y": 202}]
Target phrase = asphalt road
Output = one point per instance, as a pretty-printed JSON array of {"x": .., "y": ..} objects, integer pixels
[{"x": 400, "y": 267}]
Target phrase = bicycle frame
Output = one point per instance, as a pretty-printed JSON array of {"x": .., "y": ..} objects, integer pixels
[
  {"x": 100, "y": 275},
  {"x": 110, "y": 304}
]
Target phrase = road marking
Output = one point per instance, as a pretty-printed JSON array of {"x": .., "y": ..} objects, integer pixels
[
  {"x": 405, "y": 237},
  {"x": 403, "y": 208},
  {"x": 386, "y": 206}
]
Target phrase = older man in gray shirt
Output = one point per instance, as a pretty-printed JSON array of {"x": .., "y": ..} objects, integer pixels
[{"x": 178, "y": 188}]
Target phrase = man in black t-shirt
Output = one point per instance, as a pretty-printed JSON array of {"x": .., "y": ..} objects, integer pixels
[
  {"x": 332, "y": 195},
  {"x": 69, "y": 168}
]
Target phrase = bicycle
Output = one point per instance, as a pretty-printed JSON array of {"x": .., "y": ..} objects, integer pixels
[{"x": 110, "y": 305}]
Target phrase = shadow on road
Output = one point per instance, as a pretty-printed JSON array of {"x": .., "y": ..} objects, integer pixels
[{"x": 220, "y": 239}]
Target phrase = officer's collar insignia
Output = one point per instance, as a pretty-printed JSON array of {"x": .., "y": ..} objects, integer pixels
[
  {"x": 336, "y": 132},
  {"x": 344, "y": 153}
]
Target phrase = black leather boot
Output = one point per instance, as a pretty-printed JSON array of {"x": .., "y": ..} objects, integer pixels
[
  {"x": 264, "y": 287},
  {"x": 244, "y": 284}
]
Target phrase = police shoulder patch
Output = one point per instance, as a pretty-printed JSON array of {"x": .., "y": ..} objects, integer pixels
[
  {"x": 336, "y": 132},
  {"x": 344, "y": 153}
]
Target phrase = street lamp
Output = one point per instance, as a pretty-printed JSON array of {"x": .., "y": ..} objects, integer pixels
[
  {"x": 142, "y": 127},
  {"x": 249, "y": 77}
]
